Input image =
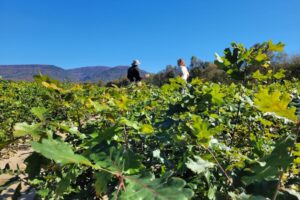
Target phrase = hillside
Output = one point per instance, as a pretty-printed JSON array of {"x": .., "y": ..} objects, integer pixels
[
  {"x": 26, "y": 72},
  {"x": 80, "y": 74},
  {"x": 83, "y": 74}
]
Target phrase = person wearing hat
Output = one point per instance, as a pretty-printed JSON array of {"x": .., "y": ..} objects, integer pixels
[{"x": 133, "y": 73}]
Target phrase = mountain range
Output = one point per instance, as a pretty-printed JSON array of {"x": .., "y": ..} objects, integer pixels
[{"x": 80, "y": 74}]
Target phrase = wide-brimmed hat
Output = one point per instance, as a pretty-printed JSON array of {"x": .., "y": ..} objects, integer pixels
[{"x": 136, "y": 62}]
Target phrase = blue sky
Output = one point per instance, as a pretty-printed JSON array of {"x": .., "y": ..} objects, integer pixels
[{"x": 73, "y": 33}]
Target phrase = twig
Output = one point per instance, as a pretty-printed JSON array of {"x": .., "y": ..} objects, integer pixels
[
  {"x": 219, "y": 165},
  {"x": 121, "y": 184},
  {"x": 125, "y": 137},
  {"x": 78, "y": 121},
  {"x": 278, "y": 186}
]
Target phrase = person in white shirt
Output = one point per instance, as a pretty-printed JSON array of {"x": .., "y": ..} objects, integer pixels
[{"x": 184, "y": 73}]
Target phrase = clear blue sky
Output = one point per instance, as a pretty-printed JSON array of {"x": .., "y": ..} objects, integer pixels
[{"x": 72, "y": 33}]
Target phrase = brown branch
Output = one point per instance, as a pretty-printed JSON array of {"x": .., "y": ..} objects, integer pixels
[{"x": 121, "y": 184}]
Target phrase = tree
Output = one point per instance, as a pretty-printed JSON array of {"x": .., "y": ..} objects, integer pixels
[
  {"x": 293, "y": 67},
  {"x": 197, "y": 66},
  {"x": 198, "y": 63},
  {"x": 240, "y": 62}
]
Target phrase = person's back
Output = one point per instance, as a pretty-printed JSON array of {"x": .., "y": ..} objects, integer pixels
[
  {"x": 130, "y": 74},
  {"x": 133, "y": 73}
]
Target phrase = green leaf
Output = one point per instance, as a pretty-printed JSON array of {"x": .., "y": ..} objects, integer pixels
[
  {"x": 99, "y": 107},
  {"x": 132, "y": 124},
  {"x": 279, "y": 160},
  {"x": 112, "y": 162},
  {"x": 53, "y": 86},
  {"x": 275, "y": 103},
  {"x": 43, "y": 192},
  {"x": 211, "y": 194},
  {"x": 132, "y": 163},
  {"x": 39, "y": 112},
  {"x": 257, "y": 75},
  {"x": 64, "y": 185},
  {"x": 147, "y": 187},
  {"x": 147, "y": 129},
  {"x": 217, "y": 96},
  {"x": 201, "y": 129},
  {"x": 226, "y": 62},
  {"x": 22, "y": 129},
  {"x": 279, "y": 75},
  {"x": 59, "y": 151},
  {"x": 244, "y": 196},
  {"x": 72, "y": 130},
  {"x": 276, "y": 47},
  {"x": 264, "y": 121},
  {"x": 198, "y": 165},
  {"x": 102, "y": 180},
  {"x": 118, "y": 160},
  {"x": 261, "y": 57},
  {"x": 99, "y": 136}
]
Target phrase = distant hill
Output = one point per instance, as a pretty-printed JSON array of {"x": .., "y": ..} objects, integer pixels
[
  {"x": 26, "y": 72},
  {"x": 83, "y": 74},
  {"x": 80, "y": 74}
]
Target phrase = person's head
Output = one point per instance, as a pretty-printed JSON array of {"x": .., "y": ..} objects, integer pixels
[
  {"x": 180, "y": 62},
  {"x": 135, "y": 63}
]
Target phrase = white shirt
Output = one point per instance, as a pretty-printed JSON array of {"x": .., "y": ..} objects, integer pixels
[{"x": 184, "y": 73}]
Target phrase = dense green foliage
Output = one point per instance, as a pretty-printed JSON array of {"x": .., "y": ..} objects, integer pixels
[{"x": 197, "y": 140}]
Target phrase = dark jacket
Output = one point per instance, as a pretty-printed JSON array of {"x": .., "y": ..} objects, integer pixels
[{"x": 133, "y": 74}]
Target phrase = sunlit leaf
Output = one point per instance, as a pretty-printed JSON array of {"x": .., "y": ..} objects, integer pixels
[
  {"x": 257, "y": 75},
  {"x": 147, "y": 187},
  {"x": 147, "y": 129},
  {"x": 59, "y": 152},
  {"x": 22, "y": 129},
  {"x": 129, "y": 123},
  {"x": 276, "y": 47},
  {"x": 198, "y": 165},
  {"x": 39, "y": 112},
  {"x": 217, "y": 96},
  {"x": 201, "y": 130},
  {"x": 52, "y": 86},
  {"x": 276, "y": 103},
  {"x": 280, "y": 74},
  {"x": 261, "y": 57}
]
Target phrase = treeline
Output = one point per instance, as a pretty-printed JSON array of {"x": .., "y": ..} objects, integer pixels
[{"x": 209, "y": 71}]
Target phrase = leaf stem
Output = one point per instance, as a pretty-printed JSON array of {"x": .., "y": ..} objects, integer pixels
[
  {"x": 125, "y": 137},
  {"x": 78, "y": 121},
  {"x": 278, "y": 186},
  {"x": 220, "y": 166}
]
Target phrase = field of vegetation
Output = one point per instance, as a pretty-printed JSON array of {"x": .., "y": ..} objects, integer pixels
[{"x": 196, "y": 140}]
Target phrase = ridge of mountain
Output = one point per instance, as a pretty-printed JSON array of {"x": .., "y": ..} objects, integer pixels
[{"x": 79, "y": 74}]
